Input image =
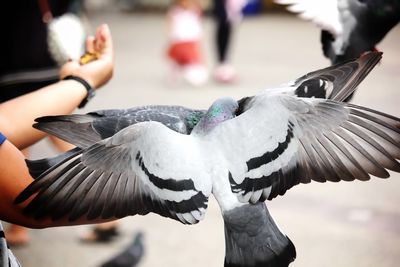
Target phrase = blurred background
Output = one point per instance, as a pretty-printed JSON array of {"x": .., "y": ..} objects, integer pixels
[{"x": 331, "y": 224}]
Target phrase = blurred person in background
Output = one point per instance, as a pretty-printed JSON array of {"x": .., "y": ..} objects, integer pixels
[
  {"x": 184, "y": 26},
  {"x": 16, "y": 131},
  {"x": 41, "y": 36},
  {"x": 227, "y": 14},
  {"x": 27, "y": 62}
]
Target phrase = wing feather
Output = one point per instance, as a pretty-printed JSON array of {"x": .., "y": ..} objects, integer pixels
[
  {"x": 71, "y": 196},
  {"x": 121, "y": 206},
  {"x": 336, "y": 82},
  {"x": 314, "y": 163},
  {"x": 83, "y": 130},
  {"x": 335, "y": 158},
  {"x": 384, "y": 139},
  {"x": 129, "y": 173},
  {"x": 386, "y": 159},
  {"x": 331, "y": 141},
  {"x": 347, "y": 157},
  {"x": 87, "y": 192},
  {"x": 366, "y": 159},
  {"x": 325, "y": 161},
  {"x": 325, "y": 14}
]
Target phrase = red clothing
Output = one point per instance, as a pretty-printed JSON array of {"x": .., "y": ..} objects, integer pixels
[{"x": 185, "y": 53}]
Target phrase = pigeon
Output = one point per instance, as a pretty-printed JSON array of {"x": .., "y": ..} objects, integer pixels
[
  {"x": 130, "y": 256},
  {"x": 243, "y": 152},
  {"x": 349, "y": 27}
]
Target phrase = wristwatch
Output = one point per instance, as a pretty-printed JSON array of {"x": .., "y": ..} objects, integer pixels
[{"x": 89, "y": 89}]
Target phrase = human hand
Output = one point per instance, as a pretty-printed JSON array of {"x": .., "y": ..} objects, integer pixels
[{"x": 97, "y": 72}]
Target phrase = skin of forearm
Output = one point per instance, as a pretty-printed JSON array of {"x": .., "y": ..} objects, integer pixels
[
  {"x": 14, "y": 177},
  {"x": 17, "y": 115}
]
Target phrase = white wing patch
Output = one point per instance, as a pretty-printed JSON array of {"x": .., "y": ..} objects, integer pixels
[{"x": 323, "y": 13}]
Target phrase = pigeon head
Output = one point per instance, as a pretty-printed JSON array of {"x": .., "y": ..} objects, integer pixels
[{"x": 221, "y": 110}]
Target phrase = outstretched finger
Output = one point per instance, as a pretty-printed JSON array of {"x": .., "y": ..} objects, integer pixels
[
  {"x": 103, "y": 42},
  {"x": 90, "y": 46}
]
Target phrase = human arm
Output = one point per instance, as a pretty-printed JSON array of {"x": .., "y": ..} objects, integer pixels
[
  {"x": 14, "y": 177},
  {"x": 17, "y": 115}
]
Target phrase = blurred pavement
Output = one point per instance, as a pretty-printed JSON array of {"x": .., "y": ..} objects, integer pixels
[{"x": 342, "y": 224}]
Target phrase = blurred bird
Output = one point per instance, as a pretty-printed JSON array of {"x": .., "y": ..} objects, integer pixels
[
  {"x": 243, "y": 152},
  {"x": 130, "y": 256},
  {"x": 349, "y": 27}
]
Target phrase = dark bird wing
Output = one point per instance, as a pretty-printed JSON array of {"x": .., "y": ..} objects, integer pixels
[
  {"x": 286, "y": 140},
  {"x": 325, "y": 130},
  {"x": 349, "y": 27},
  {"x": 336, "y": 82},
  {"x": 85, "y": 130},
  {"x": 365, "y": 24},
  {"x": 126, "y": 174}
]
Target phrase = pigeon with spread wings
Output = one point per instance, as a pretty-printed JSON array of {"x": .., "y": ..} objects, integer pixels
[
  {"x": 336, "y": 83},
  {"x": 242, "y": 152},
  {"x": 349, "y": 27}
]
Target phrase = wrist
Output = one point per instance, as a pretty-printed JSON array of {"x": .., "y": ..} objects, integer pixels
[{"x": 89, "y": 90}]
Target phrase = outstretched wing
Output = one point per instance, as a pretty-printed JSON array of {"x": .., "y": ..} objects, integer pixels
[
  {"x": 281, "y": 141},
  {"x": 336, "y": 82},
  {"x": 133, "y": 172},
  {"x": 84, "y": 130},
  {"x": 325, "y": 14}
]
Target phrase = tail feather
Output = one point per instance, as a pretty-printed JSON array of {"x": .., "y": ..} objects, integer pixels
[{"x": 253, "y": 239}]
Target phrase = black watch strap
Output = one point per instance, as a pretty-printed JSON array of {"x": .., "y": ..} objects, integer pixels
[{"x": 89, "y": 89}]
